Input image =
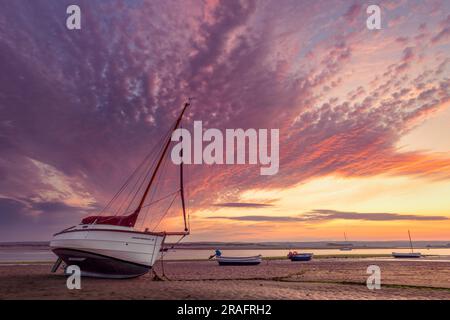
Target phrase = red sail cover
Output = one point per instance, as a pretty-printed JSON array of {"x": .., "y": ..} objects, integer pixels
[{"x": 123, "y": 221}]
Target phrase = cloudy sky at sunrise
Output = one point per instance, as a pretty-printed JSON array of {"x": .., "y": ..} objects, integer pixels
[{"x": 363, "y": 114}]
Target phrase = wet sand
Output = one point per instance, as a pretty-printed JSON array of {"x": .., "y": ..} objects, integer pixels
[{"x": 273, "y": 279}]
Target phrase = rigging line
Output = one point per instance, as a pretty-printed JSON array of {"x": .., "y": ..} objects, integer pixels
[
  {"x": 167, "y": 210},
  {"x": 187, "y": 195},
  {"x": 142, "y": 165},
  {"x": 161, "y": 172},
  {"x": 179, "y": 240},
  {"x": 166, "y": 146},
  {"x": 146, "y": 158},
  {"x": 125, "y": 184},
  {"x": 162, "y": 258},
  {"x": 146, "y": 173},
  {"x": 187, "y": 206},
  {"x": 127, "y": 196},
  {"x": 183, "y": 205},
  {"x": 151, "y": 169},
  {"x": 151, "y": 197},
  {"x": 155, "y": 189},
  {"x": 159, "y": 200},
  {"x": 144, "y": 218},
  {"x": 140, "y": 181},
  {"x": 159, "y": 178}
]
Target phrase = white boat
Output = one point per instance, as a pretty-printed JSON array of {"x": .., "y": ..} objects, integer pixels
[
  {"x": 111, "y": 246},
  {"x": 411, "y": 254},
  {"x": 239, "y": 261},
  {"x": 107, "y": 250}
]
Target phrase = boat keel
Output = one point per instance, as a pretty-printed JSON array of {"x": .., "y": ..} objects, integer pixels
[{"x": 99, "y": 266}]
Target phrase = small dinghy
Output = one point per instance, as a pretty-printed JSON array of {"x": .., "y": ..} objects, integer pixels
[
  {"x": 411, "y": 254},
  {"x": 239, "y": 261},
  {"x": 294, "y": 256},
  {"x": 406, "y": 255},
  {"x": 346, "y": 246}
]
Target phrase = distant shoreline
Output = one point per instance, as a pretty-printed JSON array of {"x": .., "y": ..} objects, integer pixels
[
  {"x": 317, "y": 245},
  {"x": 331, "y": 257}
]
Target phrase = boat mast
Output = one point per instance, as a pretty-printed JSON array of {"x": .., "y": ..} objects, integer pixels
[
  {"x": 186, "y": 229},
  {"x": 144, "y": 196},
  {"x": 410, "y": 242}
]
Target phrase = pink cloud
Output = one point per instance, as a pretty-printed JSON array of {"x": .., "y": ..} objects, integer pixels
[{"x": 90, "y": 104}]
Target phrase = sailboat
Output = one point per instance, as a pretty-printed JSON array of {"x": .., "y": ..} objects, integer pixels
[
  {"x": 411, "y": 254},
  {"x": 347, "y": 246},
  {"x": 111, "y": 246}
]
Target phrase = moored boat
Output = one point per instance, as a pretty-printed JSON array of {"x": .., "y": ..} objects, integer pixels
[
  {"x": 346, "y": 246},
  {"x": 107, "y": 251},
  {"x": 110, "y": 246},
  {"x": 294, "y": 256},
  {"x": 406, "y": 255},
  {"x": 411, "y": 254},
  {"x": 239, "y": 261}
]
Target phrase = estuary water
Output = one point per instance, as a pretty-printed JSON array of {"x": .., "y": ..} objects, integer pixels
[{"x": 43, "y": 254}]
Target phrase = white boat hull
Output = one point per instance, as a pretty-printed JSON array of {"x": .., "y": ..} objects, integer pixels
[{"x": 108, "y": 251}]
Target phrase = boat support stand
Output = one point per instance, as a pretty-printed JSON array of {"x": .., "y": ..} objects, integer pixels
[{"x": 56, "y": 265}]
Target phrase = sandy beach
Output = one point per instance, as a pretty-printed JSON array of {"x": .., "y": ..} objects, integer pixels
[{"x": 273, "y": 279}]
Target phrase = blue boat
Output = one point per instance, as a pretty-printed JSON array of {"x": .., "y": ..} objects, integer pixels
[{"x": 294, "y": 256}]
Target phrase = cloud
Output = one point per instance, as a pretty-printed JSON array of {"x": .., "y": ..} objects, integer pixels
[
  {"x": 32, "y": 211},
  {"x": 25, "y": 219},
  {"x": 243, "y": 205},
  {"x": 59, "y": 207},
  {"x": 12, "y": 212},
  {"x": 79, "y": 110},
  {"x": 260, "y": 218},
  {"x": 353, "y": 12},
  {"x": 321, "y": 215},
  {"x": 444, "y": 32}
]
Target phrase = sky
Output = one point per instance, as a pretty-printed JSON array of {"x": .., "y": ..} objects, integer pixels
[{"x": 363, "y": 114}]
